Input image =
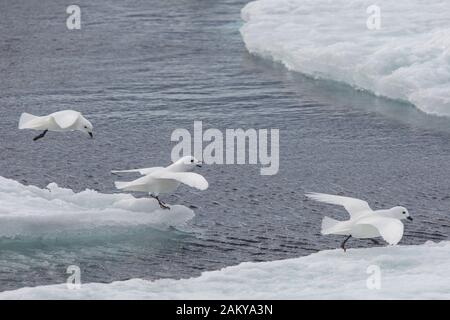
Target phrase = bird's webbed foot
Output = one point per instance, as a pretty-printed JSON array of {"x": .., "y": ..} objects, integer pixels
[
  {"x": 40, "y": 136},
  {"x": 161, "y": 204},
  {"x": 344, "y": 242}
]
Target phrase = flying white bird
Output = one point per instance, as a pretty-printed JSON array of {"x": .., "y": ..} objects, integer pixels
[
  {"x": 159, "y": 180},
  {"x": 67, "y": 120},
  {"x": 364, "y": 223}
]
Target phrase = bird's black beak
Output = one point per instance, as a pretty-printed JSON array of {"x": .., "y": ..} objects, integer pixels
[
  {"x": 410, "y": 219},
  {"x": 91, "y": 135},
  {"x": 199, "y": 164}
]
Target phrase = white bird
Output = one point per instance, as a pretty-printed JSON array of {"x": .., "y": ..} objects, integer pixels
[
  {"x": 66, "y": 120},
  {"x": 364, "y": 222},
  {"x": 159, "y": 180}
]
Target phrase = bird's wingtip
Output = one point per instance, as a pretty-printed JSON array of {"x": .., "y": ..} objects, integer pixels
[
  {"x": 204, "y": 185},
  {"x": 311, "y": 194}
]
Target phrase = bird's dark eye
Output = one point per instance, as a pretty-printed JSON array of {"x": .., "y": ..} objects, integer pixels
[
  {"x": 85, "y": 127},
  {"x": 404, "y": 212},
  {"x": 192, "y": 160}
]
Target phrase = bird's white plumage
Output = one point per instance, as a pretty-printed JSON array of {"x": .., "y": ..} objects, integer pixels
[
  {"x": 355, "y": 207},
  {"x": 61, "y": 121},
  {"x": 143, "y": 171},
  {"x": 364, "y": 222},
  {"x": 389, "y": 228},
  {"x": 27, "y": 121},
  {"x": 191, "y": 179},
  {"x": 66, "y": 119},
  {"x": 157, "y": 180}
]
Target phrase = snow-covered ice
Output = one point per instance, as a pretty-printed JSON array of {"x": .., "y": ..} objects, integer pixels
[
  {"x": 407, "y": 272},
  {"x": 407, "y": 59},
  {"x": 31, "y": 211}
]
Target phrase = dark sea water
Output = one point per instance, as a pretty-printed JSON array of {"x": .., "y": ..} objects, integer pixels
[{"x": 141, "y": 69}]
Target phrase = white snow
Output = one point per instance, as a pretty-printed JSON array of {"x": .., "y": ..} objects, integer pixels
[
  {"x": 407, "y": 272},
  {"x": 30, "y": 211},
  {"x": 407, "y": 59}
]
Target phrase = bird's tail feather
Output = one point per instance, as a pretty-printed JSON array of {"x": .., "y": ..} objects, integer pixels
[
  {"x": 121, "y": 184},
  {"x": 125, "y": 171},
  {"x": 24, "y": 119},
  {"x": 327, "y": 224}
]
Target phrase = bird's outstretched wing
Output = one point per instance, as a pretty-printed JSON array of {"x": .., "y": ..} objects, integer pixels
[
  {"x": 143, "y": 171},
  {"x": 66, "y": 119},
  {"x": 389, "y": 228},
  {"x": 140, "y": 184},
  {"x": 191, "y": 179},
  {"x": 355, "y": 207}
]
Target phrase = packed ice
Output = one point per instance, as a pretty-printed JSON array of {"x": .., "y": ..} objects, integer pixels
[
  {"x": 396, "y": 49},
  {"x": 32, "y": 211},
  {"x": 394, "y": 272}
]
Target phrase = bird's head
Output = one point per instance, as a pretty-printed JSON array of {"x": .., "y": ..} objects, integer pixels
[
  {"x": 400, "y": 213},
  {"x": 188, "y": 163},
  {"x": 86, "y": 126}
]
